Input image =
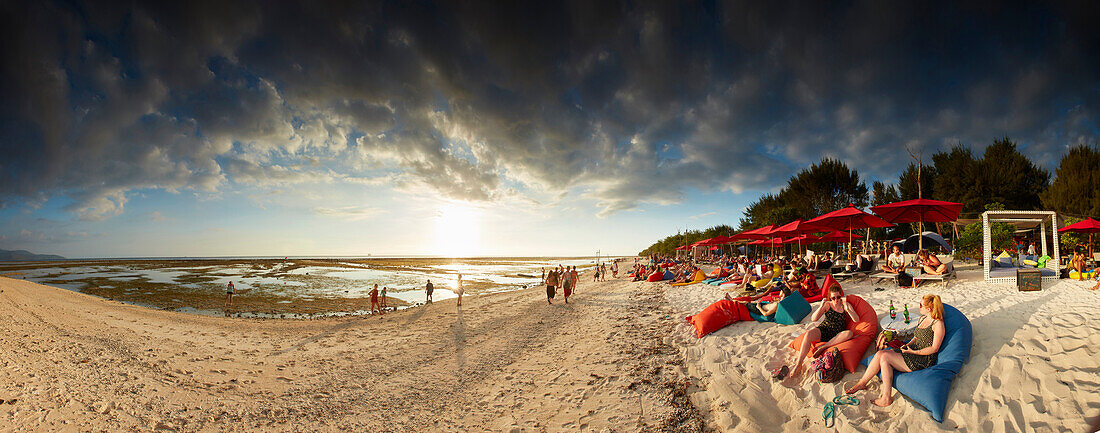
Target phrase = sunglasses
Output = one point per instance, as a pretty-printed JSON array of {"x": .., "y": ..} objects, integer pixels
[{"x": 835, "y": 297}]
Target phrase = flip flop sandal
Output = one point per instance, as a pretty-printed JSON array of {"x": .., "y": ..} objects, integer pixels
[{"x": 781, "y": 373}]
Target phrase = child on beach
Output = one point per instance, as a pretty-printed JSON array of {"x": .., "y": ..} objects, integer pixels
[
  {"x": 428, "y": 289},
  {"x": 383, "y": 299}
]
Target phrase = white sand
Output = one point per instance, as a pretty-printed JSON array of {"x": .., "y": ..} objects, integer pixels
[
  {"x": 508, "y": 362},
  {"x": 1033, "y": 364}
]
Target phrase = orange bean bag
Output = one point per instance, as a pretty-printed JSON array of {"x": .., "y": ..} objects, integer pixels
[
  {"x": 865, "y": 329},
  {"x": 719, "y": 272},
  {"x": 717, "y": 316}
]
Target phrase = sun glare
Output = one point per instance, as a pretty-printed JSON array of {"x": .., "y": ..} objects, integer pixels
[{"x": 456, "y": 230}]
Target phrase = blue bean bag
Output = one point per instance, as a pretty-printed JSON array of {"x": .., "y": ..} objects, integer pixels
[
  {"x": 791, "y": 311},
  {"x": 929, "y": 387},
  {"x": 669, "y": 275}
]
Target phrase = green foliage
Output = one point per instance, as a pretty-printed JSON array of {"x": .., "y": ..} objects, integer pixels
[
  {"x": 823, "y": 187},
  {"x": 1068, "y": 241},
  {"x": 958, "y": 178},
  {"x": 907, "y": 183},
  {"x": 1010, "y": 178},
  {"x": 1076, "y": 187},
  {"x": 669, "y": 244},
  {"x": 882, "y": 193},
  {"x": 970, "y": 239}
]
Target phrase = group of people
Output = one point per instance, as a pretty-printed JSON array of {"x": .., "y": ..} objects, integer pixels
[
  {"x": 895, "y": 262},
  {"x": 429, "y": 289},
  {"x": 836, "y": 314},
  {"x": 564, "y": 276}
]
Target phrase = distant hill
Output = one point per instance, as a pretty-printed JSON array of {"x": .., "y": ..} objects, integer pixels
[{"x": 25, "y": 256}]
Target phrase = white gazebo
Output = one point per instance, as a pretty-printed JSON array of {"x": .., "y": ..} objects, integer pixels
[{"x": 1020, "y": 219}]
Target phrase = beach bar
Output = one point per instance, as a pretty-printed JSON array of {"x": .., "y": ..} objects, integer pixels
[{"x": 1028, "y": 219}]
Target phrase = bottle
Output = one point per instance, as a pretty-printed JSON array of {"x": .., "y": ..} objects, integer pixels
[
  {"x": 893, "y": 312},
  {"x": 906, "y": 314}
]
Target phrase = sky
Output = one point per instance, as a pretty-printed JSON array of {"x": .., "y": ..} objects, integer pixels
[{"x": 215, "y": 128}]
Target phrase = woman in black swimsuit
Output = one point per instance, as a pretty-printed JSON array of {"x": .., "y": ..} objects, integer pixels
[
  {"x": 919, "y": 353},
  {"x": 833, "y": 330}
]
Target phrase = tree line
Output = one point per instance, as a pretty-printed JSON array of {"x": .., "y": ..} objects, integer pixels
[{"x": 1001, "y": 177}]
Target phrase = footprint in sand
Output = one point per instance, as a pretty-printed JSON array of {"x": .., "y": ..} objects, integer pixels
[{"x": 1069, "y": 320}]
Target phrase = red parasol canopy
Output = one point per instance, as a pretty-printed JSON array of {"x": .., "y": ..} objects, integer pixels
[
  {"x": 803, "y": 239},
  {"x": 798, "y": 227},
  {"x": 919, "y": 210},
  {"x": 682, "y": 248},
  {"x": 849, "y": 218},
  {"x": 1088, "y": 225},
  {"x": 760, "y": 233},
  {"x": 768, "y": 242},
  {"x": 839, "y": 236}
]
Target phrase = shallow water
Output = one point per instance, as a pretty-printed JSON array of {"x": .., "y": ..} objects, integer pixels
[{"x": 286, "y": 283}]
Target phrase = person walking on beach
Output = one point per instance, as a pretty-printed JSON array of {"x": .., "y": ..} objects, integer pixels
[
  {"x": 566, "y": 285},
  {"x": 229, "y": 295},
  {"x": 429, "y": 288},
  {"x": 551, "y": 285},
  {"x": 575, "y": 278},
  {"x": 614, "y": 269},
  {"x": 458, "y": 289},
  {"x": 382, "y": 299},
  {"x": 374, "y": 306}
]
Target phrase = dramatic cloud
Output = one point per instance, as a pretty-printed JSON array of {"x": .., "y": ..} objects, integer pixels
[{"x": 622, "y": 104}]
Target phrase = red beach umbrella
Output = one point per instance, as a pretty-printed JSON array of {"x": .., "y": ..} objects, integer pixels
[
  {"x": 799, "y": 227},
  {"x": 850, "y": 218},
  {"x": 1088, "y": 225},
  {"x": 838, "y": 236},
  {"x": 921, "y": 210},
  {"x": 760, "y": 233}
]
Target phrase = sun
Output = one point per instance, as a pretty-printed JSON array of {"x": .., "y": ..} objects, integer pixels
[{"x": 457, "y": 229}]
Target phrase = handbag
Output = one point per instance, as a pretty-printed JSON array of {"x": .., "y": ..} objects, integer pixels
[{"x": 828, "y": 368}]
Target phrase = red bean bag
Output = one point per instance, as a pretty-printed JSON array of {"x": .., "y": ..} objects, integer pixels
[
  {"x": 717, "y": 316},
  {"x": 865, "y": 329},
  {"x": 657, "y": 275}
]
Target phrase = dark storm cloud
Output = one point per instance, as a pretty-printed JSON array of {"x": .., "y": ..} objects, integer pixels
[{"x": 622, "y": 103}]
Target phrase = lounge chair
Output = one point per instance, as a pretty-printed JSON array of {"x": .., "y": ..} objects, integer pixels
[
  {"x": 947, "y": 274},
  {"x": 858, "y": 273}
]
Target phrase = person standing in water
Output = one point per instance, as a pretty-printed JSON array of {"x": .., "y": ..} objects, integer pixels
[
  {"x": 229, "y": 295},
  {"x": 458, "y": 289},
  {"x": 429, "y": 288}
]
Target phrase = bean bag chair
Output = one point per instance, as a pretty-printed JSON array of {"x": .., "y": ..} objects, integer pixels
[
  {"x": 695, "y": 278},
  {"x": 929, "y": 387},
  {"x": 865, "y": 329},
  {"x": 669, "y": 275},
  {"x": 719, "y": 272},
  {"x": 656, "y": 276},
  {"x": 791, "y": 311},
  {"x": 717, "y": 316}
]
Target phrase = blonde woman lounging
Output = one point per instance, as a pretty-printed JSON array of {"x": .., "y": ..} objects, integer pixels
[{"x": 919, "y": 353}]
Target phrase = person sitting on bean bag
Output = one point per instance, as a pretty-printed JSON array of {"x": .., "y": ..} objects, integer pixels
[
  {"x": 917, "y": 354},
  {"x": 833, "y": 329}
]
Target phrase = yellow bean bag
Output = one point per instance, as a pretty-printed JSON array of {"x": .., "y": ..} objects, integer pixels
[{"x": 697, "y": 277}]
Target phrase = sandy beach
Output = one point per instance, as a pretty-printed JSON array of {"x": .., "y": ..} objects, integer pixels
[
  {"x": 1033, "y": 365},
  {"x": 505, "y": 362},
  {"x": 618, "y": 358}
]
